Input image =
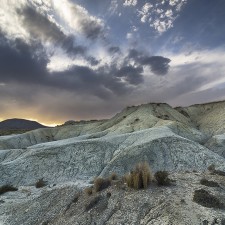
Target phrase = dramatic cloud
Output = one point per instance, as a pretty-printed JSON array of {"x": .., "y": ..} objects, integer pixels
[
  {"x": 158, "y": 64},
  {"x": 20, "y": 62},
  {"x": 30, "y": 66},
  {"x": 41, "y": 27},
  {"x": 78, "y": 18},
  {"x": 131, "y": 74}
]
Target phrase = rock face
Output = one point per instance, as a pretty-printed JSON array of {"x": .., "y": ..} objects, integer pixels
[{"x": 70, "y": 156}]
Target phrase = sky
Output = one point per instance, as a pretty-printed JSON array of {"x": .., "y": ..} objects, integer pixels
[{"x": 82, "y": 59}]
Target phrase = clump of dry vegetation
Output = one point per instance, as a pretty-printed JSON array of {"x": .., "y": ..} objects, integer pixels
[
  {"x": 213, "y": 170},
  {"x": 88, "y": 191},
  {"x": 219, "y": 172},
  {"x": 113, "y": 176},
  {"x": 140, "y": 177},
  {"x": 204, "y": 198},
  {"x": 209, "y": 183},
  {"x": 101, "y": 183},
  {"x": 162, "y": 178},
  {"x": 40, "y": 183},
  {"x": 7, "y": 188}
]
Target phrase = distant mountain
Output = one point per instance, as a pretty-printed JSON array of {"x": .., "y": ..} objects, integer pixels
[{"x": 20, "y": 124}]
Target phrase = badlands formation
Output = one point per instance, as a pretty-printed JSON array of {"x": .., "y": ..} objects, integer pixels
[{"x": 184, "y": 141}]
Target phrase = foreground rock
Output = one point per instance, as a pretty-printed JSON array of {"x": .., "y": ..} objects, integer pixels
[{"x": 64, "y": 204}]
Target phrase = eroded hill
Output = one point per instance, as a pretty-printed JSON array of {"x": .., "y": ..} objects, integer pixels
[{"x": 69, "y": 157}]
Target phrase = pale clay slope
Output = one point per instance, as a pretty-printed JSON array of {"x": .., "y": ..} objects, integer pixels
[
  {"x": 172, "y": 205},
  {"x": 169, "y": 139}
]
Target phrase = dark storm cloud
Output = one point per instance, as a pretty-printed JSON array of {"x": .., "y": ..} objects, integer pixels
[
  {"x": 159, "y": 65},
  {"x": 26, "y": 64},
  {"x": 18, "y": 61},
  {"x": 131, "y": 74},
  {"x": 40, "y": 26},
  {"x": 83, "y": 79}
]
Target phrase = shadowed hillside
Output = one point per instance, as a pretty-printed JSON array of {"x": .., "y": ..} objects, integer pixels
[{"x": 17, "y": 126}]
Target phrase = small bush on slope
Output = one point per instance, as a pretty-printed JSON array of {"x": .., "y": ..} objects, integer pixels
[
  {"x": 7, "y": 188},
  {"x": 162, "y": 178},
  {"x": 209, "y": 183},
  {"x": 88, "y": 190},
  {"x": 213, "y": 170},
  {"x": 211, "y": 167},
  {"x": 140, "y": 177},
  {"x": 101, "y": 183},
  {"x": 40, "y": 183},
  {"x": 204, "y": 198},
  {"x": 113, "y": 176}
]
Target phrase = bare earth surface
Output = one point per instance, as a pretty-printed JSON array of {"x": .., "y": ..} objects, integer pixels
[{"x": 69, "y": 157}]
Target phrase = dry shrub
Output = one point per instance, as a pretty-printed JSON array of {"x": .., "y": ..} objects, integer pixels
[
  {"x": 213, "y": 170},
  {"x": 209, "y": 183},
  {"x": 211, "y": 167},
  {"x": 40, "y": 183},
  {"x": 204, "y": 198},
  {"x": 113, "y": 176},
  {"x": 140, "y": 177},
  {"x": 162, "y": 178},
  {"x": 219, "y": 172},
  {"x": 101, "y": 183},
  {"x": 88, "y": 191},
  {"x": 7, "y": 188}
]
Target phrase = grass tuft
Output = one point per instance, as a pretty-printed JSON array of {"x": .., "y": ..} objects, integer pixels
[{"x": 140, "y": 177}]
